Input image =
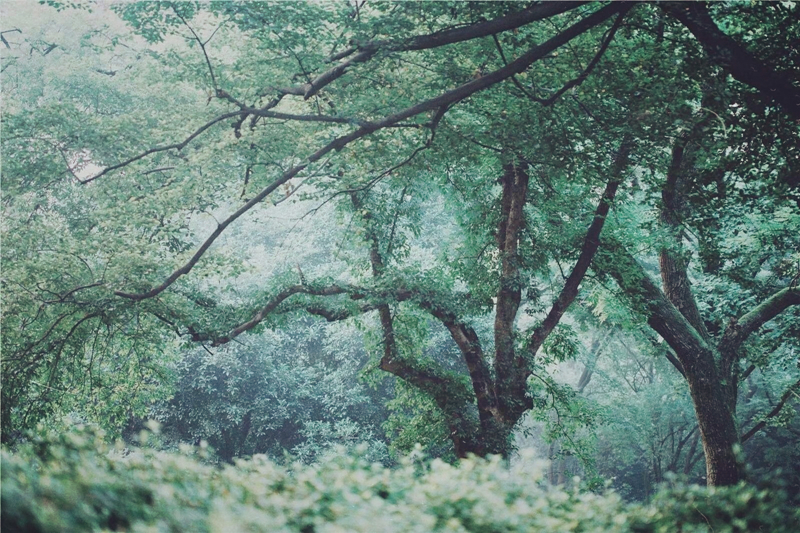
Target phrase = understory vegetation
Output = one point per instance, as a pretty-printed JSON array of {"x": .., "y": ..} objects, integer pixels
[{"x": 72, "y": 481}]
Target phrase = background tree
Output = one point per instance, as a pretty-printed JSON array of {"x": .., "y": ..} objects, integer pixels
[{"x": 294, "y": 391}]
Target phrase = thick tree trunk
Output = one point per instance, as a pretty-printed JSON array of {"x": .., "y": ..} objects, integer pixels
[
  {"x": 707, "y": 384},
  {"x": 710, "y": 386},
  {"x": 718, "y": 431}
]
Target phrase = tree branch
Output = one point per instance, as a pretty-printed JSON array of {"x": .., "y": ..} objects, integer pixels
[
  {"x": 470, "y": 345},
  {"x": 647, "y": 298},
  {"x": 176, "y": 146},
  {"x": 590, "y": 245},
  {"x": 590, "y": 67},
  {"x": 510, "y": 379},
  {"x": 740, "y": 329},
  {"x": 444, "y": 389},
  {"x": 673, "y": 266},
  {"x": 423, "y": 42},
  {"x": 202, "y": 47},
  {"x": 732, "y": 56},
  {"x": 271, "y": 305},
  {"x": 791, "y": 391},
  {"x": 442, "y": 101}
]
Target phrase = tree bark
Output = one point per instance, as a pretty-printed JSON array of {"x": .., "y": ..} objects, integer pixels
[
  {"x": 735, "y": 58},
  {"x": 469, "y": 434},
  {"x": 511, "y": 381},
  {"x": 672, "y": 261},
  {"x": 708, "y": 390}
]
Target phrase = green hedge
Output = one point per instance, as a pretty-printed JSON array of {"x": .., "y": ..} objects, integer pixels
[{"x": 73, "y": 482}]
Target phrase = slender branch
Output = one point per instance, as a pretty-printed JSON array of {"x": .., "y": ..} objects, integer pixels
[
  {"x": 437, "y": 103},
  {"x": 273, "y": 303},
  {"x": 592, "y": 64},
  {"x": 63, "y": 343},
  {"x": 747, "y": 372},
  {"x": 202, "y": 46},
  {"x": 589, "y": 249},
  {"x": 175, "y": 146},
  {"x": 262, "y": 112},
  {"x": 47, "y": 333},
  {"x": 3, "y": 39},
  {"x": 62, "y": 297},
  {"x": 161, "y": 169},
  {"x": 791, "y": 391}
]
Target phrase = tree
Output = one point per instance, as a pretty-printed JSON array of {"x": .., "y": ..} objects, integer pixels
[
  {"x": 530, "y": 120},
  {"x": 292, "y": 391}
]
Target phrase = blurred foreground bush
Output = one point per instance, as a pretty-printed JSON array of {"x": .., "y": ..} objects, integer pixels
[{"x": 74, "y": 482}]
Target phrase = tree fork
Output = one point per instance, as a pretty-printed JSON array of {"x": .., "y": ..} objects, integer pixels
[{"x": 465, "y": 433}]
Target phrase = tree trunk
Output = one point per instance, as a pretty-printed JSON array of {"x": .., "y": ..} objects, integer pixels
[
  {"x": 707, "y": 384},
  {"x": 718, "y": 431}
]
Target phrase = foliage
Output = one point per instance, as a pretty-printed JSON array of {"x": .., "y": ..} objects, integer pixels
[
  {"x": 72, "y": 482},
  {"x": 295, "y": 390},
  {"x": 449, "y": 159},
  {"x": 735, "y": 509}
]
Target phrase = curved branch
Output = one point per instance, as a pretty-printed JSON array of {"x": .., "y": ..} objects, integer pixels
[
  {"x": 336, "y": 315},
  {"x": 536, "y": 12},
  {"x": 273, "y": 303},
  {"x": 735, "y": 58},
  {"x": 176, "y": 146},
  {"x": 791, "y": 391},
  {"x": 589, "y": 68},
  {"x": 63, "y": 296},
  {"x": 470, "y": 345},
  {"x": 442, "y": 101},
  {"x": 263, "y": 112}
]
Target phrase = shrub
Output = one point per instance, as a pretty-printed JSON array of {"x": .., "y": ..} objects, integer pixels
[{"x": 74, "y": 482}]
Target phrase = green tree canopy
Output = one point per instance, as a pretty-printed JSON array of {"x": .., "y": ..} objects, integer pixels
[{"x": 478, "y": 166}]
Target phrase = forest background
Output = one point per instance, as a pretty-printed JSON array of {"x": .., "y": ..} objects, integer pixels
[{"x": 480, "y": 227}]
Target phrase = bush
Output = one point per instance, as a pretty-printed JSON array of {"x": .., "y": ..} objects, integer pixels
[
  {"x": 74, "y": 482},
  {"x": 739, "y": 509}
]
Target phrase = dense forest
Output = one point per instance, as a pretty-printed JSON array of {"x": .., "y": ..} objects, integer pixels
[{"x": 433, "y": 243}]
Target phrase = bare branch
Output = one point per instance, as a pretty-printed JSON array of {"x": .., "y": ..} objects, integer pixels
[
  {"x": 3, "y": 39},
  {"x": 62, "y": 297}
]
